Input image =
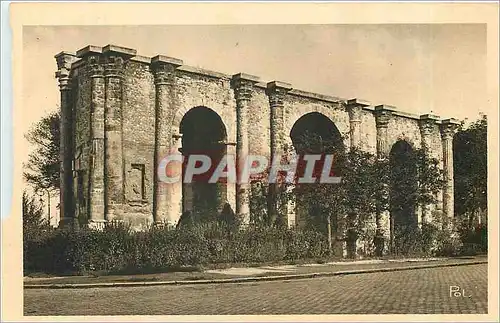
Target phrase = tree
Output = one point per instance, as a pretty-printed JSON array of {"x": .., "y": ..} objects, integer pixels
[
  {"x": 364, "y": 190},
  {"x": 346, "y": 207},
  {"x": 470, "y": 163},
  {"x": 42, "y": 168},
  {"x": 33, "y": 220},
  {"x": 415, "y": 179},
  {"x": 36, "y": 231}
]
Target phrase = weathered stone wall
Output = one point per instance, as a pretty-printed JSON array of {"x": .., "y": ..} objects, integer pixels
[
  {"x": 82, "y": 140},
  {"x": 214, "y": 92},
  {"x": 132, "y": 93},
  {"x": 404, "y": 128},
  {"x": 138, "y": 123},
  {"x": 259, "y": 123},
  {"x": 298, "y": 104},
  {"x": 368, "y": 132}
]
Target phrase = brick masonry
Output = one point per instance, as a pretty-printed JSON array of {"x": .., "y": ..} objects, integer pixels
[{"x": 125, "y": 110}]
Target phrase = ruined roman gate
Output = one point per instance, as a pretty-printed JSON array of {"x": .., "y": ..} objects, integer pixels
[{"x": 121, "y": 113}]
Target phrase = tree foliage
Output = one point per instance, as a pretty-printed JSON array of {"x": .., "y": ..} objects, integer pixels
[
  {"x": 353, "y": 202},
  {"x": 369, "y": 186},
  {"x": 34, "y": 223},
  {"x": 470, "y": 168},
  {"x": 42, "y": 168}
]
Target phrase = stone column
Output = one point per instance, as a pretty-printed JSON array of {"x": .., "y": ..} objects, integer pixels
[
  {"x": 175, "y": 189},
  {"x": 164, "y": 77},
  {"x": 243, "y": 88},
  {"x": 68, "y": 219},
  {"x": 114, "y": 59},
  {"x": 276, "y": 92},
  {"x": 187, "y": 197},
  {"x": 448, "y": 129},
  {"x": 427, "y": 125},
  {"x": 231, "y": 187},
  {"x": 384, "y": 222},
  {"x": 383, "y": 114},
  {"x": 355, "y": 107},
  {"x": 95, "y": 71}
]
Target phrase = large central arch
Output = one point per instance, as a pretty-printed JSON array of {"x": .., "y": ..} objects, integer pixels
[
  {"x": 314, "y": 133},
  {"x": 318, "y": 129},
  {"x": 203, "y": 133}
]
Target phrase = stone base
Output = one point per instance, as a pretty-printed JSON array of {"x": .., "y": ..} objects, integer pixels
[
  {"x": 165, "y": 224},
  {"x": 380, "y": 245},
  {"x": 97, "y": 224},
  {"x": 339, "y": 248},
  {"x": 68, "y": 224}
]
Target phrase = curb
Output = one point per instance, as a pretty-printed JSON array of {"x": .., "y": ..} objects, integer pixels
[{"x": 247, "y": 279}]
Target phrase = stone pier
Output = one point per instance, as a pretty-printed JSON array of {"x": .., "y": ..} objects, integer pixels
[
  {"x": 448, "y": 129},
  {"x": 243, "y": 88},
  {"x": 65, "y": 61}
]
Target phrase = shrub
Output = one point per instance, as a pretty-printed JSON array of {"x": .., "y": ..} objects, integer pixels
[
  {"x": 473, "y": 237},
  {"x": 306, "y": 245},
  {"x": 447, "y": 244},
  {"x": 430, "y": 239},
  {"x": 118, "y": 249},
  {"x": 408, "y": 240}
]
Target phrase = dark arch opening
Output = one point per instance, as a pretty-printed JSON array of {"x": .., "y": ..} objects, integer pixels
[
  {"x": 203, "y": 133},
  {"x": 314, "y": 133},
  {"x": 403, "y": 192}
]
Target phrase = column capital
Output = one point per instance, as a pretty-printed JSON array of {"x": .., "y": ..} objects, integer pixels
[
  {"x": 119, "y": 50},
  {"x": 383, "y": 114},
  {"x": 277, "y": 91},
  {"x": 164, "y": 68},
  {"x": 88, "y": 50},
  {"x": 427, "y": 123},
  {"x": 448, "y": 128},
  {"x": 94, "y": 60},
  {"x": 64, "y": 61},
  {"x": 114, "y": 59},
  {"x": 354, "y": 108},
  {"x": 358, "y": 102},
  {"x": 243, "y": 84}
]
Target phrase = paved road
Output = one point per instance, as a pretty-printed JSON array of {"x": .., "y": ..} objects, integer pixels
[{"x": 405, "y": 292}]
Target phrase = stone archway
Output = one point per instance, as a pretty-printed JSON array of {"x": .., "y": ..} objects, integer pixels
[
  {"x": 313, "y": 133},
  {"x": 403, "y": 189},
  {"x": 203, "y": 133}
]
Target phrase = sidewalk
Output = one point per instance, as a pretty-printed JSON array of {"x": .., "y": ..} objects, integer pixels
[{"x": 238, "y": 275}]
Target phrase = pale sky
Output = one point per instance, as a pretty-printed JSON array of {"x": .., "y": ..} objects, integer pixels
[{"x": 417, "y": 68}]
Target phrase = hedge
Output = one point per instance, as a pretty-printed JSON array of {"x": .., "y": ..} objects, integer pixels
[{"x": 117, "y": 249}]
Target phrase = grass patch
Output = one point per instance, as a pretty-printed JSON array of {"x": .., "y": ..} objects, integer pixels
[{"x": 39, "y": 275}]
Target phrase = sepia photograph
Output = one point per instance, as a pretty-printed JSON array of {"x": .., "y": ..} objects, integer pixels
[{"x": 236, "y": 168}]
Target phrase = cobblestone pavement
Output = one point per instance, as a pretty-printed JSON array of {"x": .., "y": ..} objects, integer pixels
[{"x": 405, "y": 292}]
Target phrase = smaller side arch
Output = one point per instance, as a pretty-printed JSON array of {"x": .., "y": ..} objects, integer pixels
[
  {"x": 411, "y": 142},
  {"x": 403, "y": 189}
]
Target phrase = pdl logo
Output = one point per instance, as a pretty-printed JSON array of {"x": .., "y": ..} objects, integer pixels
[{"x": 213, "y": 167}]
